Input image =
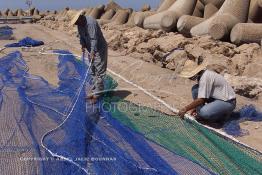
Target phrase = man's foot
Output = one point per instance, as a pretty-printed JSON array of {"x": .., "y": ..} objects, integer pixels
[
  {"x": 89, "y": 97},
  {"x": 92, "y": 98}
]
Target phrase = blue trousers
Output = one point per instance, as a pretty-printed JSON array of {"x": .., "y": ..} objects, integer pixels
[{"x": 214, "y": 109}]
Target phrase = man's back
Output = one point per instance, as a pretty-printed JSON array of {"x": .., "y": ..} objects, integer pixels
[
  {"x": 214, "y": 85},
  {"x": 91, "y": 35},
  {"x": 92, "y": 22}
]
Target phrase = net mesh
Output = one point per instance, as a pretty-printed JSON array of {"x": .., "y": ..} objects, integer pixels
[
  {"x": 186, "y": 138},
  {"x": 6, "y": 33},
  {"x": 47, "y": 129},
  {"x": 246, "y": 113}
]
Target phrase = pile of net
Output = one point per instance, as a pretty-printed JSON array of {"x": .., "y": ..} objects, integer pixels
[
  {"x": 246, "y": 113},
  {"x": 26, "y": 42},
  {"x": 53, "y": 130},
  {"x": 6, "y": 33}
]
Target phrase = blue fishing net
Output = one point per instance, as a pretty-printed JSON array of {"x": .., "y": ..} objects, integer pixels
[
  {"x": 53, "y": 130},
  {"x": 246, "y": 113},
  {"x": 26, "y": 42},
  {"x": 6, "y": 32}
]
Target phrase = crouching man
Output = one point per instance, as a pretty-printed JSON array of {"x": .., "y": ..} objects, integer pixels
[
  {"x": 92, "y": 39},
  {"x": 214, "y": 99}
]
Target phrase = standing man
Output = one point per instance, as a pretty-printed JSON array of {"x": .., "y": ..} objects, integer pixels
[
  {"x": 214, "y": 99},
  {"x": 92, "y": 39}
]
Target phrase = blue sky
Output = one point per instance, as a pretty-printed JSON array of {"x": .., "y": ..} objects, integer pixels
[{"x": 60, "y": 4}]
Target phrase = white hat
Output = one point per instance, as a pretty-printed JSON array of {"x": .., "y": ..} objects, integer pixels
[
  {"x": 191, "y": 68},
  {"x": 76, "y": 17}
]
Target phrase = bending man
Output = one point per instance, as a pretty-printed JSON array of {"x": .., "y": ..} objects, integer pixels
[
  {"x": 214, "y": 98},
  {"x": 92, "y": 39}
]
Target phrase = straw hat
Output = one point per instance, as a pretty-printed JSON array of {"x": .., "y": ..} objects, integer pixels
[
  {"x": 191, "y": 68},
  {"x": 76, "y": 17}
]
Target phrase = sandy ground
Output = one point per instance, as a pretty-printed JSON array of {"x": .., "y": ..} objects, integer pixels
[{"x": 159, "y": 81}]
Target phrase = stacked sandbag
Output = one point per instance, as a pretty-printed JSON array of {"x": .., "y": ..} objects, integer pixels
[
  {"x": 47, "y": 12},
  {"x": 217, "y": 3},
  {"x": 121, "y": 18},
  {"x": 20, "y": 13},
  {"x": 108, "y": 14},
  {"x": 112, "y": 5},
  {"x": 255, "y": 11},
  {"x": 36, "y": 15},
  {"x": 220, "y": 24},
  {"x": 31, "y": 11},
  {"x": 71, "y": 13},
  {"x": 130, "y": 10},
  {"x": 167, "y": 20},
  {"x": 140, "y": 17},
  {"x": 186, "y": 22},
  {"x": 246, "y": 33},
  {"x": 97, "y": 12},
  {"x": 6, "y": 12},
  {"x": 63, "y": 12},
  {"x": 210, "y": 10},
  {"x": 36, "y": 12},
  {"x": 10, "y": 13},
  {"x": 199, "y": 9},
  {"x": 145, "y": 7},
  {"x": 165, "y": 5},
  {"x": 131, "y": 21},
  {"x": 15, "y": 12},
  {"x": 62, "y": 15},
  {"x": 88, "y": 11}
]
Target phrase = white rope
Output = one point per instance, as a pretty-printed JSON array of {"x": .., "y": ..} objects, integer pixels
[
  {"x": 72, "y": 108},
  {"x": 187, "y": 116},
  {"x": 1, "y": 49},
  {"x": 78, "y": 95}
]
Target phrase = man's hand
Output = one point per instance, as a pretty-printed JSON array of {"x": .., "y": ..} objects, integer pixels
[
  {"x": 193, "y": 112},
  {"x": 92, "y": 55},
  {"x": 83, "y": 49},
  {"x": 193, "y": 105},
  {"x": 182, "y": 113}
]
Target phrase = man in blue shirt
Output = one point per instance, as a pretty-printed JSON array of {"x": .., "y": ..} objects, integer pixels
[{"x": 92, "y": 39}]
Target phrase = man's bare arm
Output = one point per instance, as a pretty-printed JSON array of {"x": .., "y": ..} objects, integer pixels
[{"x": 191, "y": 106}]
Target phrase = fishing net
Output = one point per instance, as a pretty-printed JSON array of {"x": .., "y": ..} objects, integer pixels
[
  {"x": 26, "y": 42},
  {"x": 47, "y": 129},
  {"x": 187, "y": 138},
  {"x": 52, "y": 129},
  {"x": 6, "y": 33},
  {"x": 246, "y": 113}
]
